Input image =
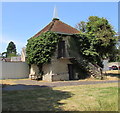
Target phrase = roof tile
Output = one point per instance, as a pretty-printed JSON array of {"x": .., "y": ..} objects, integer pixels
[{"x": 58, "y": 26}]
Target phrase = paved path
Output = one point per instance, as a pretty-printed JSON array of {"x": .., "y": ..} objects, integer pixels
[{"x": 31, "y": 84}]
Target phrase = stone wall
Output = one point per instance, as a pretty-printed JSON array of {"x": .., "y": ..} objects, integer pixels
[
  {"x": 14, "y": 70},
  {"x": 110, "y": 64},
  {"x": 57, "y": 70},
  {"x": 34, "y": 70}
]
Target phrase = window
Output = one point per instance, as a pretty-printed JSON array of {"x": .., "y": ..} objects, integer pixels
[{"x": 61, "y": 49}]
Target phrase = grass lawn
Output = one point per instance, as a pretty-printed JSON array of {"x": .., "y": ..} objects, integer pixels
[
  {"x": 113, "y": 71},
  {"x": 10, "y": 81},
  {"x": 98, "y": 97}
]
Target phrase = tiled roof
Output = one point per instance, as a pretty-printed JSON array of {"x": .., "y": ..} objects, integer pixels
[{"x": 58, "y": 26}]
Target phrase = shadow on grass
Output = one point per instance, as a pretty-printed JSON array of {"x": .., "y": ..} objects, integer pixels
[{"x": 32, "y": 98}]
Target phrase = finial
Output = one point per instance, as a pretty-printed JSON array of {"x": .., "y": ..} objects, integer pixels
[{"x": 55, "y": 14}]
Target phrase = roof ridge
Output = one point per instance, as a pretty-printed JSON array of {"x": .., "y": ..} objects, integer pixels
[{"x": 51, "y": 25}]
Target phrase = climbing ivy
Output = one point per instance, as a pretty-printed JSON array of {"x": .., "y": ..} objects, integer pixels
[{"x": 40, "y": 49}]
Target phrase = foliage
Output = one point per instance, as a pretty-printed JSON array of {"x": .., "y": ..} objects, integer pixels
[
  {"x": 98, "y": 41},
  {"x": 116, "y": 52},
  {"x": 82, "y": 45},
  {"x": 101, "y": 35},
  {"x": 11, "y": 49},
  {"x": 40, "y": 49},
  {"x": 115, "y": 55},
  {"x": 76, "y": 47},
  {"x": 81, "y": 26}
]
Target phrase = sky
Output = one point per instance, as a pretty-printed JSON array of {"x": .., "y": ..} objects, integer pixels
[{"x": 22, "y": 20}]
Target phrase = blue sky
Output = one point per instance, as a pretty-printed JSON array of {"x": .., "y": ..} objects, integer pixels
[{"x": 21, "y": 20}]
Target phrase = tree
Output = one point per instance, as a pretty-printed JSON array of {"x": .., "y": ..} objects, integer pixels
[
  {"x": 101, "y": 35},
  {"x": 100, "y": 38},
  {"x": 11, "y": 49},
  {"x": 81, "y": 26},
  {"x": 115, "y": 54}
]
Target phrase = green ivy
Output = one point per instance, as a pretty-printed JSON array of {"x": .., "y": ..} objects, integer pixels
[{"x": 40, "y": 49}]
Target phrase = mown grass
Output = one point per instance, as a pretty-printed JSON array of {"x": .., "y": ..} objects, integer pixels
[
  {"x": 11, "y": 81},
  {"x": 100, "y": 97},
  {"x": 113, "y": 71}
]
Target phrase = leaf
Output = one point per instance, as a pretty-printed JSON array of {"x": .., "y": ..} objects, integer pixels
[{"x": 40, "y": 49}]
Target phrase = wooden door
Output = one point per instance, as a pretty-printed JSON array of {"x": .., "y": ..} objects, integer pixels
[{"x": 71, "y": 71}]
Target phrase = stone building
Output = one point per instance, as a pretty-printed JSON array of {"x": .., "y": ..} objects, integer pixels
[{"x": 61, "y": 67}]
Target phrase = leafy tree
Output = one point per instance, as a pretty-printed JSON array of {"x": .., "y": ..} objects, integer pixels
[
  {"x": 40, "y": 49},
  {"x": 115, "y": 54},
  {"x": 81, "y": 26},
  {"x": 11, "y": 49},
  {"x": 99, "y": 38},
  {"x": 101, "y": 35},
  {"x": 85, "y": 49}
]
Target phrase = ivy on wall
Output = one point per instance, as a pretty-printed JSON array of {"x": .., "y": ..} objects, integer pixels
[{"x": 39, "y": 50}]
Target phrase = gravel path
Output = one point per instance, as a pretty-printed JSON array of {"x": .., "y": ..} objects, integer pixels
[{"x": 31, "y": 84}]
